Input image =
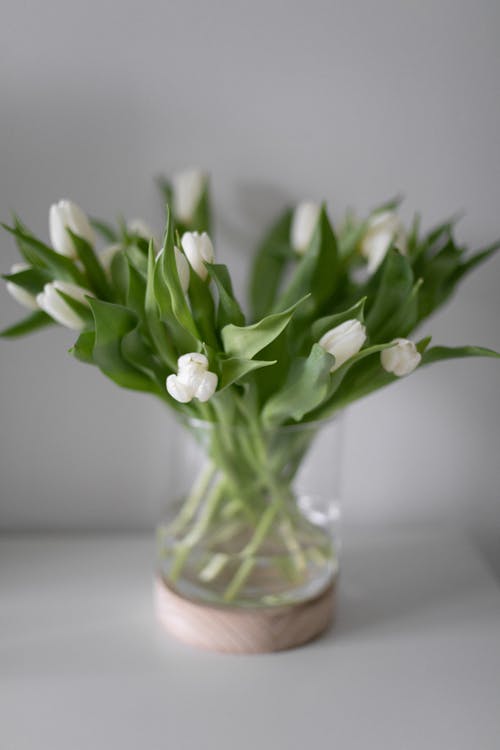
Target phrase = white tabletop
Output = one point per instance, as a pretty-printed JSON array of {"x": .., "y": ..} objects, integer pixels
[{"x": 412, "y": 662}]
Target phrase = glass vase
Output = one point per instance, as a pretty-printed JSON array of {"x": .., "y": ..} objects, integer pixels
[{"x": 259, "y": 525}]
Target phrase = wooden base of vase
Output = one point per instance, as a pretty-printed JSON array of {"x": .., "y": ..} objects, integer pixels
[{"x": 240, "y": 630}]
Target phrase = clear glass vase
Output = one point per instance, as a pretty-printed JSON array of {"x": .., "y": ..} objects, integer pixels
[{"x": 260, "y": 524}]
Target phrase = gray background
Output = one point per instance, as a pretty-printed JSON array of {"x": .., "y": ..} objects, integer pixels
[{"x": 352, "y": 102}]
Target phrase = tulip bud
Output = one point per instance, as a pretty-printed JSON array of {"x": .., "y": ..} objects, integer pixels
[
  {"x": 199, "y": 250},
  {"x": 107, "y": 255},
  {"x": 400, "y": 359},
  {"x": 141, "y": 229},
  {"x": 21, "y": 295},
  {"x": 192, "y": 358},
  {"x": 67, "y": 215},
  {"x": 207, "y": 386},
  {"x": 383, "y": 230},
  {"x": 305, "y": 219},
  {"x": 193, "y": 380},
  {"x": 188, "y": 188},
  {"x": 182, "y": 269},
  {"x": 54, "y": 305},
  {"x": 344, "y": 341},
  {"x": 180, "y": 392}
]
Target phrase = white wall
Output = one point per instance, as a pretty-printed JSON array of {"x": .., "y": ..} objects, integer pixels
[{"x": 353, "y": 102}]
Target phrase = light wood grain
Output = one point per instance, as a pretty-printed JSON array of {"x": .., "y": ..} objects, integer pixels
[{"x": 240, "y": 630}]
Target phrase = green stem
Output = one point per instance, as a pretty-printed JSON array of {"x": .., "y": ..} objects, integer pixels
[
  {"x": 191, "y": 504},
  {"x": 246, "y": 566},
  {"x": 293, "y": 546},
  {"x": 196, "y": 533}
]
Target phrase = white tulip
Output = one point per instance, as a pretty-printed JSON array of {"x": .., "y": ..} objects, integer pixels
[
  {"x": 207, "y": 386},
  {"x": 106, "y": 256},
  {"x": 400, "y": 359},
  {"x": 192, "y": 358},
  {"x": 182, "y": 269},
  {"x": 67, "y": 215},
  {"x": 383, "y": 229},
  {"x": 178, "y": 390},
  {"x": 193, "y": 379},
  {"x": 344, "y": 341},
  {"x": 188, "y": 187},
  {"x": 142, "y": 229},
  {"x": 199, "y": 250},
  {"x": 21, "y": 295},
  {"x": 305, "y": 219},
  {"x": 54, "y": 305}
]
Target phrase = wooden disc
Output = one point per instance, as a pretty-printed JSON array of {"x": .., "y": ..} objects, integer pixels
[{"x": 240, "y": 630}]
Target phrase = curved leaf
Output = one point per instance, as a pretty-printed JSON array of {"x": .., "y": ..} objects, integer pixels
[
  {"x": 396, "y": 284},
  {"x": 95, "y": 271},
  {"x": 112, "y": 323},
  {"x": 247, "y": 341},
  {"x": 235, "y": 368},
  {"x": 167, "y": 267},
  {"x": 308, "y": 385},
  {"x": 31, "y": 279},
  {"x": 39, "y": 254},
  {"x": 321, "y": 326},
  {"x": 440, "y": 353},
  {"x": 229, "y": 310}
]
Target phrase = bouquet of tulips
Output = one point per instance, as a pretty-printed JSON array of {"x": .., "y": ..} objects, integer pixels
[{"x": 330, "y": 313}]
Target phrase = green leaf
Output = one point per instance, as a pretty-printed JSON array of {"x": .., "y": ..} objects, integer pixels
[
  {"x": 442, "y": 232},
  {"x": 170, "y": 276},
  {"x": 473, "y": 261},
  {"x": 349, "y": 236},
  {"x": 413, "y": 237},
  {"x": 31, "y": 323},
  {"x": 389, "y": 205},
  {"x": 95, "y": 271},
  {"x": 120, "y": 274},
  {"x": 137, "y": 353},
  {"x": 235, "y": 368},
  {"x": 439, "y": 353},
  {"x": 136, "y": 292},
  {"x": 150, "y": 304},
  {"x": 317, "y": 272},
  {"x": 138, "y": 258},
  {"x": 229, "y": 310},
  {"x": 176, "y": 334},
  {"x": 80, "y": 308},
  {"x": 368, "y": 376},
  {"x": 247, "y": 341},
  {"x": 38, "y": 254},
  {"x": 105, "y": 230},
  {"x": 404, "y": 318},
  {"x": 342, "y": 389},
  {"x": 307, "y": 387},
  {"x": 31, "y": 279},
  {"x": 437, "y": 274},
  {"x": 269, "y": 263},
  {"x": 112, "y": 323},
  {"x": 321, "y": 326},
  {"x": 339, "y": 374},
  {"x": 396, "y": 283},
  {"x": 201, "y": 220},
  {"x": 203, "y": 308},
  {"x": 83, "y": 347},
  {"x": 157, "y": 329}
]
